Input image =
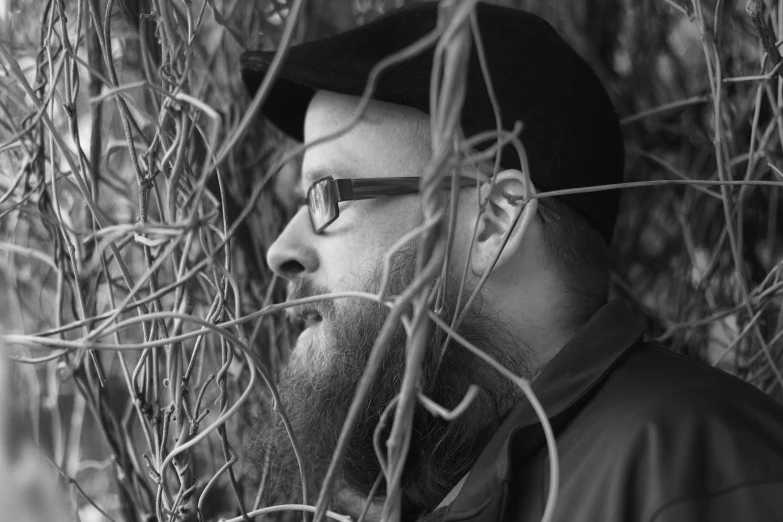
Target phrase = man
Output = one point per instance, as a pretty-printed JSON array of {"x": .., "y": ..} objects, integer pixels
[{"x": 642, "y": 434}]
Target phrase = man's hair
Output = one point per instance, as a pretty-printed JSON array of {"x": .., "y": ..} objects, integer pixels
[{"x": 576, "y": 249}]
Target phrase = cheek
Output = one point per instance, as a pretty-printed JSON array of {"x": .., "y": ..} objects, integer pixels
[{"x": 361, "y": 241}]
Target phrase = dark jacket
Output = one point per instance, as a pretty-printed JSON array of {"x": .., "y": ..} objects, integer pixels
[{"x": 642, "y": 434}]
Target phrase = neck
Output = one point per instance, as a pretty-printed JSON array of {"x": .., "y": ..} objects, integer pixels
[{"x": 540, "y": 318}]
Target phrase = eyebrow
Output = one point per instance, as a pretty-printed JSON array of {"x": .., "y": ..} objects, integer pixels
[
  {"x": 311, "y": 176},
  {"x": 306, "y": 179}
]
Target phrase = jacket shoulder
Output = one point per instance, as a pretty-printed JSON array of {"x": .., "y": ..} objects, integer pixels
[
  {"x": 675, "y": 435},
  {"x": 689, "y": 406},
  {"x": 669, "y": 385}
]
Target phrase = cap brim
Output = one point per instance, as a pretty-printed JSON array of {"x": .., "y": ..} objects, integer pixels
[
  {"x": 342, "y": 63},
  {"x": 286, "y": 104}
]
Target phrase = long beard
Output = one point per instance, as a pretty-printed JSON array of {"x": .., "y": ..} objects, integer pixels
[{"x": 318, "y": 387}]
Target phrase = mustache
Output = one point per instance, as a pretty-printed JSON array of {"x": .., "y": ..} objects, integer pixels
[{"x": 302, "y": 289}]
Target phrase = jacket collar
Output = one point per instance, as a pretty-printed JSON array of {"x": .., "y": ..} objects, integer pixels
[{"x": 561, "y": 388}]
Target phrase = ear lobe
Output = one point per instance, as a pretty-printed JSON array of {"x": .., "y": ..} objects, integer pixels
[{"x": 501, "y": 210}]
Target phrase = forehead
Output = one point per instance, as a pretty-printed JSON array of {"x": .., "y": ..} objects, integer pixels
[{"x": 389, "y": 140}]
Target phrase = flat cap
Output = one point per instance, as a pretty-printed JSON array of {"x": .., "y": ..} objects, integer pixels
[{"x": 571, "y": 132}]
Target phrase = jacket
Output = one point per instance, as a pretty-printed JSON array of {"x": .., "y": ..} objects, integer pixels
[{"x": 643, "y": 435}]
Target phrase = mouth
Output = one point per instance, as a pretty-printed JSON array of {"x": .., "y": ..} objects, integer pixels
[{"x": 303, "y": 319}]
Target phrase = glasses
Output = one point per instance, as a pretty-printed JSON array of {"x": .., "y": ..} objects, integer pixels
[{"x": 324, "y": 195}]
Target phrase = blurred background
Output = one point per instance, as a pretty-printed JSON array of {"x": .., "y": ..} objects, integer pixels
[{"x": 136, "y": 102}]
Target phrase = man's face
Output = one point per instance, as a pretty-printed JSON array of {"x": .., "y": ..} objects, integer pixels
[
  {"x": 384, "y": 144},
  {"x": 347, "y": 255},
  {"x": 330, "y": 356}
]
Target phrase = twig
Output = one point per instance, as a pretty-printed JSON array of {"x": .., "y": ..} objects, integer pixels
[{"x": 755, "y": 10}]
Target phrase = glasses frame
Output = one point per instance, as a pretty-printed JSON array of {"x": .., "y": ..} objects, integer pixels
[{"x": 369, "y": 188}]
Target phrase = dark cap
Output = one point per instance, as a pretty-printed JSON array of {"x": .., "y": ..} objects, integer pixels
[{"x": 570, "y": 130}]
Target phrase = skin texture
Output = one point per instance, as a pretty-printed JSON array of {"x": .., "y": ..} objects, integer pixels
[{"x": 516, "y": 319}]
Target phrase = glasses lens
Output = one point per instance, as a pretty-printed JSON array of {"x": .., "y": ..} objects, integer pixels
[{"x": 322, "y": 202}]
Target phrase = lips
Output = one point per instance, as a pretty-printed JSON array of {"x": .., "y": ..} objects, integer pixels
[
  {"x": 311, "y": 319},
  {"x": 303, "y": 318}
]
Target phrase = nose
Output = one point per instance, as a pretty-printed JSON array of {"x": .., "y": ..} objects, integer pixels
[{"x": 292, "y": 254}]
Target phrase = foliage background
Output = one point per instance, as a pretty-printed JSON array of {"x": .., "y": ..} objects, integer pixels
[{"x": 703, "y": 263}]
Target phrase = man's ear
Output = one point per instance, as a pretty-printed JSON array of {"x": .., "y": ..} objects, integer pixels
[{"x": 503, "y": 204}]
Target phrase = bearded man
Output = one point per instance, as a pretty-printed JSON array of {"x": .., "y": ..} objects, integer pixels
[{"x": 642, "y": 434}]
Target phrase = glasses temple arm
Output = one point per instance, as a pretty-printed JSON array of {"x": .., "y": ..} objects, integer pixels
[{"x": 348, "y": 189}]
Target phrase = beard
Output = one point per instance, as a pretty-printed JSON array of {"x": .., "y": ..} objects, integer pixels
[{"x": 319, "y": 383}]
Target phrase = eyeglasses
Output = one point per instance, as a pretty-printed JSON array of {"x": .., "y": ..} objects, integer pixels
[{"x": 324, "y": 195}]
